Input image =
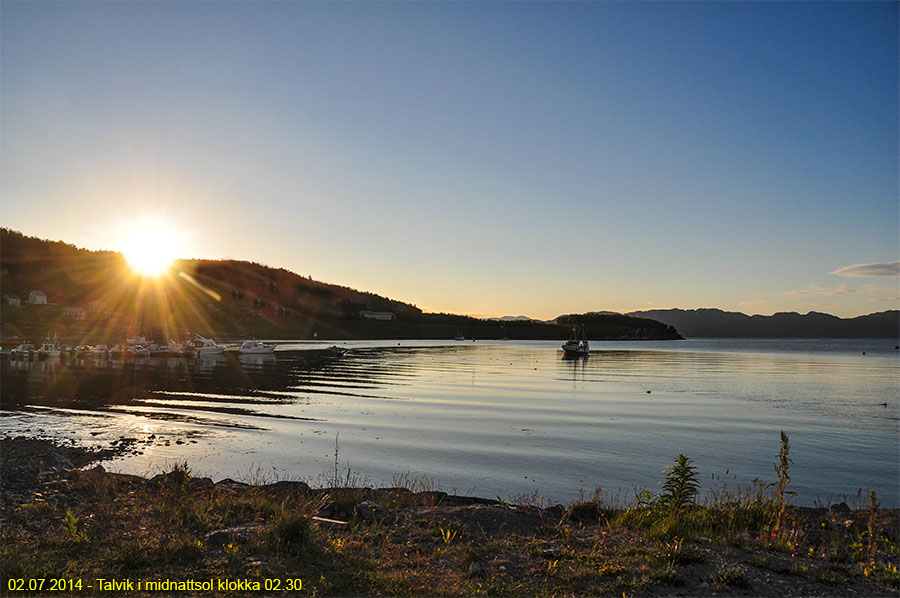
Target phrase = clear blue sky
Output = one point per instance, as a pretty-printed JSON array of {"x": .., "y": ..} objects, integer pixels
[{"x": 491, "y": 159}]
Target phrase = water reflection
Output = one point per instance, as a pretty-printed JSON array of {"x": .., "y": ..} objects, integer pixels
[
  {"x": 88, "y": 382},
  {"x": 507, "y": 418}
]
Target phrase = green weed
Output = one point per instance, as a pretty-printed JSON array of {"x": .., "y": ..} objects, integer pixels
[
  {"x": 781, "y": 471},
  {"x": 681, "y": 486},
  {"x": 71, "y": 527},
  {"x": 729, "y": 576}
]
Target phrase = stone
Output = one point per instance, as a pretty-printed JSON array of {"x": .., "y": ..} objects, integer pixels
[
  {"x": 840, "y": 507},
  {"x": 231, "y": 535},
  {"x": 373, "y": 512}
]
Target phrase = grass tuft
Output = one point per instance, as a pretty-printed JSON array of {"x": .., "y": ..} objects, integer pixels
[{"x": 729, "y": 576}]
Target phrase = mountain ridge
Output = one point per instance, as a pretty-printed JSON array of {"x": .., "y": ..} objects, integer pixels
[
  {"x": 718, "y": 323},
  {"x": 91, "y": 296}
]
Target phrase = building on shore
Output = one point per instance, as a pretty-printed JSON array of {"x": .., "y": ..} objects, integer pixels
[
  {"x": 378, "y": 315},
  {"x": 37, "y": 298}
]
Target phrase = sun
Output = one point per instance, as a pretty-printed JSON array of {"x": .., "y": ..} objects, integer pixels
[{"x": 150, "y": 247}]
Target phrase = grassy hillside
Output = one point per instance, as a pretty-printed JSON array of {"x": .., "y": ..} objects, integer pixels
[{"x": 229, "y": 300}]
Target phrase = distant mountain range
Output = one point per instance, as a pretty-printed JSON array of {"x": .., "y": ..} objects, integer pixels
[
  {"x": 706, "y": 323},
  {"x": 515, "y": 319}
]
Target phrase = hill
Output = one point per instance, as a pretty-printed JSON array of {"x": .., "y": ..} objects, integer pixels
[
  {"x": 700, "y": 323},
  {"x": 607, "y": 325},
  {"x": 92, "y": 296}
]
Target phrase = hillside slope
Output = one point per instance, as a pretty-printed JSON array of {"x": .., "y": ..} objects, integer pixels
[{"x": 228, "y": 299}]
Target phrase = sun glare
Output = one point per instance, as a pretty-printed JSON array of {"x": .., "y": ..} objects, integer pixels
[{"x": 150, "y": 248}]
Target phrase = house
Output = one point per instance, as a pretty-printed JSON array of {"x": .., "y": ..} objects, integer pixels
[
  {"x": 378, "y": 315},
  {"x": 76, "y": 313},
  {"x": 12, "y": 300},
  {"x": 37, "y": 298}
]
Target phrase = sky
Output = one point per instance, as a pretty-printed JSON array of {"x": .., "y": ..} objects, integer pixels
[{"x": 481, "y": 158}]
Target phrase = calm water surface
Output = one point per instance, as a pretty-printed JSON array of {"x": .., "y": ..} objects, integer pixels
[{"x": 491, "y": 419}]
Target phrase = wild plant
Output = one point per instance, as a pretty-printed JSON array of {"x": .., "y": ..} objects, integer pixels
[
  {"x": 781, "y": 470},
  {"x": 552, "y": 567},
  {"x": 729, "y": 575},
  {"x": 681, "y": 486},
  {"x": 335, "y": 481},
  {"x": 71, "y": 522},
  {"x": 448, "y": 534},
  {"x": 644, "y": 497},
  {"x": 291, "y": 530},
  {"x": 870, "y": 526}
]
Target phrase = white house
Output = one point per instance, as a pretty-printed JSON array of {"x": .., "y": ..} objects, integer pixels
[
  {"x": 37, "y": 298},
  {"x": 378, "y": 315}
]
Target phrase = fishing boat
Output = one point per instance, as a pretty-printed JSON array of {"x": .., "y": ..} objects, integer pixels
[
  {"x": 577, "y": 345},
  {"x": 49, "y": 348},
  {"x": 335, "y": 350},
  {"x": 459, "y": 337},
  {"x": 255, "y": 347}
]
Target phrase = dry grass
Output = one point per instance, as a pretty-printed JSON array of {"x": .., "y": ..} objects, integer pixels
[{"x": 93, "y": 524}]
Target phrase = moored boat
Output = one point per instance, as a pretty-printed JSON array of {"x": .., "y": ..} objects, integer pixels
[
  {"x": 49, "y": 349},
  {"x": 577, "y": 345},
  {"x": 137, "y": 351},
  {"x": 23, "y": 351},
  {"x": 206, "y": 346},
  {"x": 255, "y": 347}
]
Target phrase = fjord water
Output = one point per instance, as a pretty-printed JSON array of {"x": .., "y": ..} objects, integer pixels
[{"x": 490, "y": 418}]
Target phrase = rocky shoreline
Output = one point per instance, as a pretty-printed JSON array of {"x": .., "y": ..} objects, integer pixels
[{"x": 60, "y": 519}]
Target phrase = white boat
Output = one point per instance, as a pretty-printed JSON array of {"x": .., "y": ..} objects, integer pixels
[
  {"x": 256, "y": 347},
  {"x": 174, "y": 348},
  {"x": 335, "y": 350},
  {"x": 23, "y": 351},
  {"x": 137, "y": 351},
  {"x": 158, "y": 349},
  {"x": 459, "y": 337},
  {"x": 577, "y": 345},
  {"x": 206, "y": 346},
  {"x": 49, "y": 348}
]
